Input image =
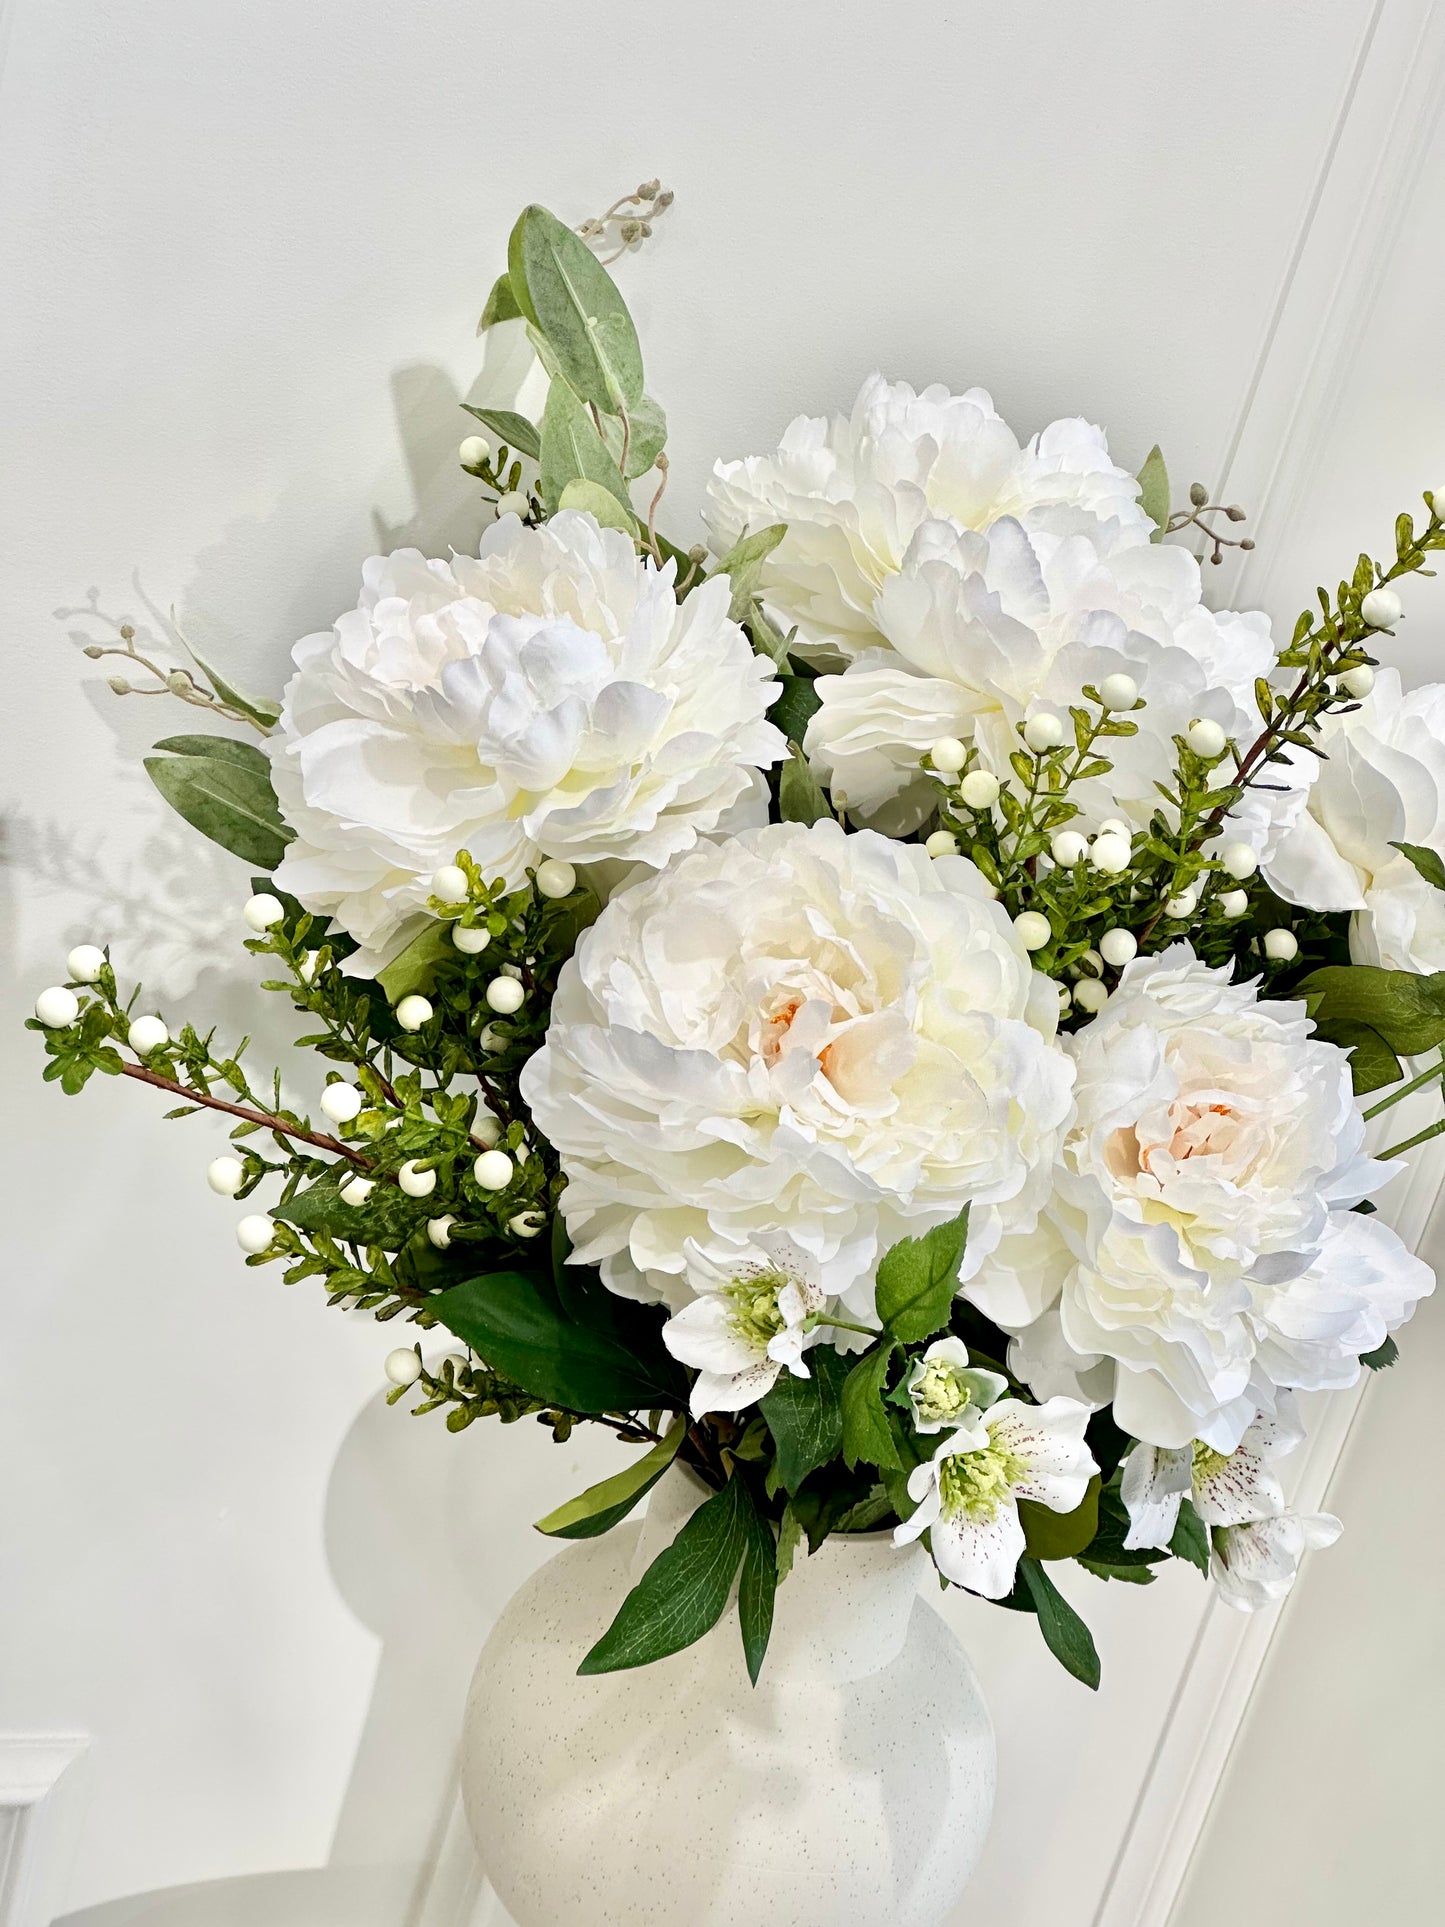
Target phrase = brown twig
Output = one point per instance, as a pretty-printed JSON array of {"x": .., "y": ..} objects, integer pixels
[{"x": 267, "y": 1119}]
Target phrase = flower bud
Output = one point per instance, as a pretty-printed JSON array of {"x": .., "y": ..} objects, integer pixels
[
  {"x": 474, "y": 451},
  {"x": 1206, "y": 738},
  {"x": 449, "y": 883}
]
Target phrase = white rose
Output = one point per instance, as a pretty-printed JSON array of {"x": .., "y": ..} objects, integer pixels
[
  {"x": 984, "y": 629},
  {"x": 854, "y": 490},
  {"x": 1382, "y": 783},
  {"x": 798, "y": 1029},
  {"x": 548, "y": 698},
  {"x": 1202, "y": 1238}
]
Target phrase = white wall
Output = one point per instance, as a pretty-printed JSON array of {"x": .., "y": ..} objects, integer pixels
[{"x": 243, "y": 248}]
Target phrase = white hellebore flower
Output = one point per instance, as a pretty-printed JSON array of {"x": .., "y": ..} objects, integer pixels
[
  {"x": 750, "y": 1320},
  {"x": 1227, "y": 1488},
  {"x": 1255, "y": 1565},
  {"x": 985, "y": 633},
  {"x": 946, "y": 1392},
  {"x": 1382, "y": 783},
  {"x": 967, "y": 1494},
  {"x": 797, "y": 1027},
  {"x": 853, "y": 491},
  {"x": 549, "y": 697},
  {"x": 1200, "y": 1249}
]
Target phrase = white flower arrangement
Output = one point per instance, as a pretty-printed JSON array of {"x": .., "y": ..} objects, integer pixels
[{"x": 876, "y": 1014}]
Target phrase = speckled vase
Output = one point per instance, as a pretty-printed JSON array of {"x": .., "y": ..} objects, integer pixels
[{"x": 854, "y": 1786}]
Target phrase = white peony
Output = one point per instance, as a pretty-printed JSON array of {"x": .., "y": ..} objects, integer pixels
[
  {"x": 804, "y": 1029},
  {"x": 1382, "y": 782},
  {"x": 1255, "y": 1565},
  {"x": 967, "y": 1494},
  {"x": 853, "y": 492},
  {"x": 983, "y": 630},
  {"x": 1200, "y": 1238},
  {"x": 547, "y": 698}
]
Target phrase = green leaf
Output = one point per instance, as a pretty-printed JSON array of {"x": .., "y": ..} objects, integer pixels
[
  {"x": 757, "y": 1589},
  {"x": 917, "y": 1280},
  {"x": 573, "y": 451},
  {"x": 601, "y": 1354},
  {"x": 794, "y": 708},
  {"x": 1065, "y": 1634},
  {"x": 1132, "y": 1575},
  {"x": 1427, "y": 862},
  {"x": 684, "y": 1592},
  {"x": 223, "y": 789},
  {"x": 800, "y": 794},
  {"x": 1372, "y": 1063},
  {"x": 502, "y": 304},
  {"x": 602, "y": 1506},
  {"x": 572, "y": 300},
  {"x": 1060, "y": 1535},
  {"x": 514, "y": 430},
  {"x": 266, "y": 714},
  {"x": 1191, "y": 1540},
  {"x": 1107, "y": 1546},
  {"x": 790, "y": 1537},
  {"x": 867, "y": 1434},
  {"x": 415, "y": 967},
  {"x": 805, "y": 1416},
  {"x": 744, "y": 564},
  {"x": 646, "y": 439},
  {"x": 1407, "y": 1010},
  {"x": 1154, "y": 491},
  {"x": 1383, "y": 1356},
  {"x": 387, "y": 1217},
  {"x": 600, "y": 503}
]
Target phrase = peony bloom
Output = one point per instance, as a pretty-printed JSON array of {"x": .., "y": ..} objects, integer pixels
[
  {"x": 1227, "y": 1488},
  {"x": 548, "y": 698},
  {"x": 945, "y": 1392},
  {"x": 750, "y": 1320},
  {"x": 1255, "y": 1565},
  {"x": 967, "y": 1494},
  {"x": 853, "y": 492},
  {"x": 1382, "y": 783},
  {"x": 983, "y": 630},
  {"x": 797, "y": 1027},
  {"x": 1200, "y": 1250}
]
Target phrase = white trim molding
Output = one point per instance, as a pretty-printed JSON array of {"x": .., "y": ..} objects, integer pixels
[{"x": 41, "y": 1788}]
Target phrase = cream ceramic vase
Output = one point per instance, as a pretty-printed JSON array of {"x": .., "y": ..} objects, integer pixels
[{"x": 853, "y": 1786}]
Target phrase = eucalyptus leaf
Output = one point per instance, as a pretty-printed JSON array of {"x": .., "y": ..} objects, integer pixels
[
  {"x": 510, "y": 428},
  {"x": 572, "y": 300},
  {"x": 502, "y": 304},
  {"x": 917, "y": 1280},
  {"x": 600, "y": 503},
  {"x": 646, "y": 437},
  {"x": 1065, "y": 1634},
  {"x": 805, "y": 1416},
  {"x": 743, "y": 563},
  {"x": 757, "y": 1588},
  {"x": 1060, "y": 1535},
  {"x": 684, "y": 1592},
  {"x": 573, "y": 451},
  {"x": 602, "y": 1506},
  {"x": 800, "y": 794},
  {"x": 415, "y": 968},
  {"x": 223, "y": 789},
  {"x": 266, "y": 714},
  {"x": 867, "y": 1435},
  {"x": 1154, "y": 491}
]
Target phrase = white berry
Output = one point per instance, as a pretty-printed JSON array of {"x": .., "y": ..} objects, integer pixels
[
  {"x": 1110, "y": 853},
  {"x": 1090, "y": 964},
  {"x": 1119, "y": 691},
  {"x": 1181, "y": 906},
  {"x": 255, "y": 1233},
  {"x": 493, "y": 1170},
  {"x": 470, "y": 942},
  {"x": 263, "y": 910},
  {"x": 1033, "y": 929},
  {"x": 1066, "y": 997},
  {"x": 474, "y": 451},
  {"x": 1356, "y": 682},
  {"x": 146, "y": 1035},
  {"x": 1067, "y": 847},
  {"x": 342, "y": 1102},
  {"x": 979, "y": 789},
  {"x": 1118, "y": 947},
  {"x": 1381, "y": 608},
  {"x": 1281, "y": 945},
  {"x": 402, "y": 1366},
  {"x": 225, "y": 1176},
  {"x": 412, "y": 1012},
  {"x": 1114, "y": 826},
  {"x": 948, "y": 755},
  {"x": 357, "y": 1190},
  {"x": 505, "y": 995},
  {"x": 439, "y": 1230},
  {"x": 416, "y": 1182},
  {"x": 1232, "y": 903},
  {"x": 57, "y": 1007},
  {"x": 449, "y": 883},
  {"x": 1044, "y": 730},
  {"x": 487, "y": 1129},
  {"x": 526, "y": 1224},
  {"x": 555, "y": 878},
  {"x": 85, "y": 963},
  {"x": 1090, "y": 995},
  {"x": 514, "y": 502},
  {"x": 941, "y": 843},
  {"x": 1239, "y": 860},
  {"x": 1206, "y": 738}
]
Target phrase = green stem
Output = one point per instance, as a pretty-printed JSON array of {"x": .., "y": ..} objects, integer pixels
[
  {"x": 1416, "y": 1084},
  {"x": 1409, "y": 1143}
]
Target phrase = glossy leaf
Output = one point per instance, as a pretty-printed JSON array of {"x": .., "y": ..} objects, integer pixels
[
  {"x": 1065, "y": 1634},
  {"x": 917, "y": 1279},
  {"x": 415, "y": 968},
  {"x": 793, "y": 710},
  {"x": 684, "y": 1592},
  {"x": 572, "y": 300},
  {"x": 805, "y": 1416},
  {"x": 757, "y": 1588},
  {"x": 387, "y": 1217},
  {"x": 1426, "y": 861},
  {"x": 223, "y": 789},
  {"x": 604, "y": 1505},
  {"x": 1191, "y": 1539},
  {"x": 1060, "y": 1535},
  {"x": 1407, "y": 1010}
]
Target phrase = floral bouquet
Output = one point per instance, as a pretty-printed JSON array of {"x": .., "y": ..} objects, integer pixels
[{"x": 873, "y": 1009}]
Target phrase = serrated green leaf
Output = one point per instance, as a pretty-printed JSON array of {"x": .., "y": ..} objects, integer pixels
[
  {"x": 1154, "y": 491},
  {"x": 1131, "y": 1575},
  {"x": 805, "y": 1416},
  {"x": 1060, "y": 1535},
  {"x": 1383, "y": 1356},
  {"x": 387, "y": 1217},
  {"x": 514, "y": 430},
  {"x": 683, "y": 1593},
  {"x": 603, "y": 1505},
  {"x": 572, "y": 450},
  {"x": 758, "y": 1586},
  {"x": 917, "y": 1280},
  {"x": 1372, "y": 1063},
  {"x": 800, "y": 794},
  {"x": 1190, "y": 1540},
  {"x": 867, "y": 1435},
  {"x": 1407, "y": 1010},
  {"x": 1065, "y": 1634},
  {"x": 572, "y": 300},
  {"x": 223, "y": 789}
]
